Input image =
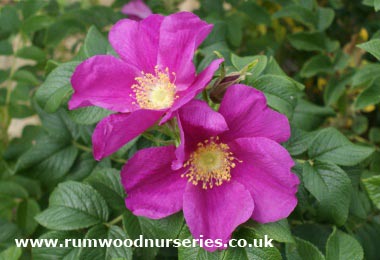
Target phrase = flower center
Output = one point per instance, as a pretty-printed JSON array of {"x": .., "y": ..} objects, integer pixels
[
  {"x": 210, "y": 164},
  {"x": 155, "y": 91}
]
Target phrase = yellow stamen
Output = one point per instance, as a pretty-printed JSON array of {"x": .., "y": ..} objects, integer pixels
[
  {"x": 155, "y": 91},
  {"x": 210, "y": 164}
]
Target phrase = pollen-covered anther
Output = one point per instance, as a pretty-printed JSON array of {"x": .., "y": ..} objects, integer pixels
[
  {"x": 210, "y": 164},
  {"x": 155, "y": 91}
]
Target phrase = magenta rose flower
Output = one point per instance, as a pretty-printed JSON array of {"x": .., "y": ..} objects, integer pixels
[
  {"x": 229, "y": 167},
  {"x": 136, "y": 10},
  {"x": 153, "y": 77}
]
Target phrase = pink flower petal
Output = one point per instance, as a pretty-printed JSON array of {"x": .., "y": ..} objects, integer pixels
[
  {"x": 153, "y": 189},
  {"x": 265, "y": 171},
  {"x": 180, "y": 35},
  {"x": 197, "y": 122},
  {"x": 116, "y": 130},
  {"x": 137, "y": 42},
  {"x": 103, "y": 81},
  {"x": 136, "y": 9},
  {"x": 215, "y": 213},
  {"x": 248, "y": 115}
]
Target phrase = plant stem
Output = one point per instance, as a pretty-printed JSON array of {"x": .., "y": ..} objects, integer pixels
[
  {"x": 115, "y": 221},
  {"x": 82, "y": 147}
]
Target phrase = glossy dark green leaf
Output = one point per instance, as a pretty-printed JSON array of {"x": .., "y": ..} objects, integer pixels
[
  {"x": 280, "y": 91},
  {"x": 372, "y": 186},
  {"x": 312, "y": 41},
  {"x": 331, "y": 187},
  {"x": 370, "y": 96},
  {"x": 11, "y": 253},
  {"x": 26, "y": 212},
  {"x": 316, "y": 65},
  {"x": 341, "y": 246},
  {"x": 49, "y": 160},
  {"x": 74, "y": 205},
  {"x": 279, "y": 231},
  {"x": 332, "y": 146},
  {"x": 31, "y": 53},
  {"x": 303, "y": 249},
  {"x": 5, "y": 48},
  {"x": 107, "y": 182},
  {"x": 372, "y": 46},
  {"x": 112, "y": 234},
  {"x": 56, "y": 87}
]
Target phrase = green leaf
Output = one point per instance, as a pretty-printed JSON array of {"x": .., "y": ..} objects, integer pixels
[
  {"x": 316, "y": 65},
  {"x": 331, "y": 187},
  {"x": 299, "y": 141},
  {"x": 20, "y": 110},
  {"x": 368, "y": 234},
  {"x": 48, "y": 160},
  {"x": 9, "y": 232},
  {"x": 308, "y": 116},
  {"x": 3, "y": 77},
  {"x": 299, "y": 14},
  {"x": 12, "y": 253},
  {"x": 107, "y": 182},
  {"x": 88, "y": 115},
  {"x": 110, "y": 252},
  {"x": 303, "y": 250},
  {"x": 369, "y": 96},
  {"x": 325, "y": 18},
  {"x": 166, "y": 228},
  {"x": 82, "y": 167},
  {"x": 256, "y": 14},
  {"x": 5, "y": 48},
  {"x": 12, "y": 189},
  {"x": 56, "y": 88},
  {"x": 377, "y": 5},
  {"x": 360, "y": 204},
  {"x": 235, "y": 24},
  {"x": 7, "y": 207},
  {"x": 360, "y": 124},
  {"x": 59, "y": 252},
  {"x": 9, "y": 20},
  {"x": 56, "y": 124},
  {"x": 26, "y": 212},
  {"x": 280, "y": 91},
  {"x": 341, "y": 246},
  {"x": 74, "y": 205},
  {"x": 162, "y": 228},
  {"x": 32, "y": 186},
  {"x": 312, "y": 41},
  {"x": 25, "y": 76},
  {"x": 259, "y": 61},
  {"x": 374, "y": 135},
  {"x": 31, "y": 53},
  {"x": 317, "y": 234},
  {"x": 35, "y": 23},
  {"x": 94, "y": 43},
  {"x": 332, "y": 146},
  {"x": 30, "y": 7},
  {"x": 278, "y": 231},
  {"x": 372, "y": 46},
  {"x": 372, "y": 186},
  {"x": 335, "y": 89},
  {"x": 366, "y": 75},
  {"x": 61, "y": 28}
]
